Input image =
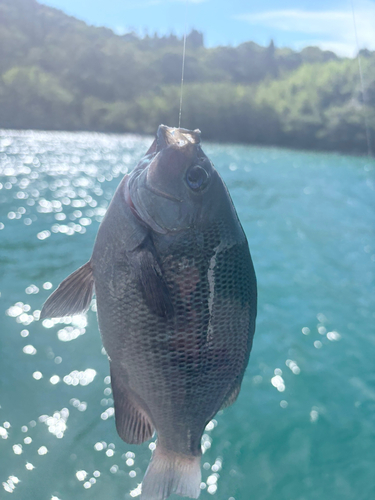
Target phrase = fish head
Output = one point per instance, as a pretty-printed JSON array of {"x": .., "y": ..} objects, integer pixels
[{"x": 172, "y": 185}]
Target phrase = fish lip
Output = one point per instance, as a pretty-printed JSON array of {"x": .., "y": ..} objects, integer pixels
[{"x": 172, "y": 136}]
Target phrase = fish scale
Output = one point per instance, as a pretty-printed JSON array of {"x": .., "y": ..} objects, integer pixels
[{"x": 176, "y": 304}]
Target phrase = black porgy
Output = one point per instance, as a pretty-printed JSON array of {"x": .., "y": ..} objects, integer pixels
[{"x": 176, "y": 301}]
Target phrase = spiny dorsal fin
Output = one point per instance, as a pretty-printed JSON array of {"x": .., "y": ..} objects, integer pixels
[
  {"x": 132, "y": 422},
  {"x": 73, "y": 295}
]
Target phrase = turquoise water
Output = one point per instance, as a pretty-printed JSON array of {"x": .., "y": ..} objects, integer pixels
[{"x": 303, "y": 427}]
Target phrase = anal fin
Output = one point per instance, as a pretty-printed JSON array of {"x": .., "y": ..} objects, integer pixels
[
  {"x": 132, "y": 422},
  {"x": 231, "y": 396},
  {"x": 73, "y": 295}
]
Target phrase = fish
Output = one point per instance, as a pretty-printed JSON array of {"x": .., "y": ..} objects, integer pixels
[{"x": 176, "y": 305}]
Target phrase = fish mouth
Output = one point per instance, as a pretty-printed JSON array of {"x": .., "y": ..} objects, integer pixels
[{"x": 168, "y": 136}]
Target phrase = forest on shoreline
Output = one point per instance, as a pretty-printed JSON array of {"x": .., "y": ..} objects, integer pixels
[{"x": 58, "y": 73}]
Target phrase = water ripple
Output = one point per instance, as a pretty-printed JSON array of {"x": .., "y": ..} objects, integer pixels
[{"x": 307, "y": 400}]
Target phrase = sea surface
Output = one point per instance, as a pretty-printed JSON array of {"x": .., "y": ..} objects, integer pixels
[{"x": 303, "y": 427}]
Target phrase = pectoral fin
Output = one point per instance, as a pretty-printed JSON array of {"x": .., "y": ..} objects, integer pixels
[
  {"x": 132, "y": 422},
  {"x": 73, "y": 295},
  {"x": 154, "y": 288}
]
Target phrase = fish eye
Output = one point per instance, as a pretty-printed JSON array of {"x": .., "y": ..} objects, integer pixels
[{"x": 197, "y": 177}]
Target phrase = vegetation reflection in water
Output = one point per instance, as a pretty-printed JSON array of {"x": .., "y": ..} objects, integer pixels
[{"x": 306, "y": 399}]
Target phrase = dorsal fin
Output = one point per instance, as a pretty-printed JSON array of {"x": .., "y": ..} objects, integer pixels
[{"x": 73, "y": 295}]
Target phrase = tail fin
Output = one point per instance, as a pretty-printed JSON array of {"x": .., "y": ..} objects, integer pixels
[{"x": 169, "y": 473}]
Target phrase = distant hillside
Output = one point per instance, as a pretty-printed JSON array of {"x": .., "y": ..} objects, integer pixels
[{"x": 56, "y": 72}]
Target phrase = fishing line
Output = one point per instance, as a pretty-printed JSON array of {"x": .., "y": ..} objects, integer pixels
[
  {"x": 183, "y": 70},
  {"x": 369, "y": 150}
]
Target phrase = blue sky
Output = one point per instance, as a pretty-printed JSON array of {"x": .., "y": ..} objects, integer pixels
[{"x": 291, "y": 23}]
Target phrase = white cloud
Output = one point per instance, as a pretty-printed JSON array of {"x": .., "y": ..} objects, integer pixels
[
  {"x": 120, "y": 30},
  {"x": 342, "y": 49},
  {"x": 159, "y": 2},
  {"x": 334, "y": 29},
  {"x": 298, "y": 20}
]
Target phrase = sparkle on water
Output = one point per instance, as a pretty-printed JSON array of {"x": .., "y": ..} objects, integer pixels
[{"x": 303, "y": 425}]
